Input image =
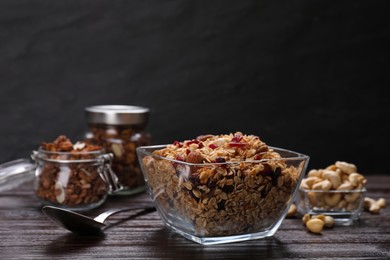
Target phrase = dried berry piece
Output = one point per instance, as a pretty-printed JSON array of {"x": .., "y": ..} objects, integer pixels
[
  {"x": 177, "y": 143},
  {"x": 237, "y": 141},
  {"x": 213, "y": 146},
  {"x": 219, "y": 160}
]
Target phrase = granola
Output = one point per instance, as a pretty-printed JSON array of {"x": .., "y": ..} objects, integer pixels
[
  {"x": 221, "y": 184},
  {"x": 63, "y": 179},
  {"x": 121, "y": 141}
]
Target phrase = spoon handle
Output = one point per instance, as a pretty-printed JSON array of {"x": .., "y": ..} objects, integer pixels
[{"x": 103, "y": 216}]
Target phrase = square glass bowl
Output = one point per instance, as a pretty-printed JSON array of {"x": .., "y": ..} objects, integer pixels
[
  {"x": 345, "y": 206},
  {"x": 215, "y": 203}
]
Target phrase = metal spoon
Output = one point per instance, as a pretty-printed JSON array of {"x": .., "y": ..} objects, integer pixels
[{"x": 81, "y": 224}]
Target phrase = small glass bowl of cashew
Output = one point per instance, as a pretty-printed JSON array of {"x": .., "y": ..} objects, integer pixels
[{"x": 338, "y": 191}]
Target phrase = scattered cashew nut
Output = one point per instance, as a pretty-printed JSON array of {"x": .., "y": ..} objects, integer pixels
[
  {"x": 292, "y": 211},
  {"x": 328, "y": 220},
  {"x": 374, "y": 206},
  {"x": 316, "y": 223},
  {"x": 305, "y": 218}
]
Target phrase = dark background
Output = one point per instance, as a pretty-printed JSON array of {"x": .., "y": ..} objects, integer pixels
[{"x": 310, "y": 76}]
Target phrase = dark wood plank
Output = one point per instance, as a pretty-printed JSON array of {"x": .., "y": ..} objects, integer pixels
[{"x": 26, "y": 234}]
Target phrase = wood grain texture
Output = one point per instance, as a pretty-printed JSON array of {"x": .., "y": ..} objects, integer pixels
[{"x": 27, "y": 234}]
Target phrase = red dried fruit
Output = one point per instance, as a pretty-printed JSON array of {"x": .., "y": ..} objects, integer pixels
[
  {"x": 236, "y": 141},
  {"x": 177, "y": 143},
  {"x": 219, "y": 160},
  {"x": 237, "y": 138},
  {"x": 194, "y": 141},
  {"x": 180, "y": 158},
  {"x": 257, "y": 157},
  {"x": 235, "y": 144},
  {"x": 267, "y": 171},
  {"x": 213, "y": 146}
]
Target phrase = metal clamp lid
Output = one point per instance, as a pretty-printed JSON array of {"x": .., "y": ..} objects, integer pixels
[
  {"x": 117, "y": 115},
  {"x": 109, "y": 175}
]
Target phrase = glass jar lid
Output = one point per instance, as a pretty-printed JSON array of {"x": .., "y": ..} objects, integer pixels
[
  {"x": 15, "y": 173},
  {"x": 117, "y": 115}
]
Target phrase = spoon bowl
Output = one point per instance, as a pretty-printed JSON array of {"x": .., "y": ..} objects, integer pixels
[{"x": 84, "y": 225}]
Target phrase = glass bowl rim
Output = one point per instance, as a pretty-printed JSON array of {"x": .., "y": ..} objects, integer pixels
[
  {"x": 97, "y": 152},
  {"x": 363, "y": 190},
  {"x": 37, "y": 155},
  {"x": 298, "y": 156}
]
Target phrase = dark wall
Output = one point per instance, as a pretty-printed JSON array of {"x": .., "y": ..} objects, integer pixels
[{"x": 310, "y": 76}]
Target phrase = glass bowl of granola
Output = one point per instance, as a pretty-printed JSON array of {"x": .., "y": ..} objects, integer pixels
[{"x": 222, "y": 188}]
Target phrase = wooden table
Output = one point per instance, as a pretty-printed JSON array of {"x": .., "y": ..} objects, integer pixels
[{"x": 25, "y": 233}]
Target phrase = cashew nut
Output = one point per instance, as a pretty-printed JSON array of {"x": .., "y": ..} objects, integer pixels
[
  {"x": 315, "y": 199},
  {"x": 331, "y": 167},
  {"x": 315, "y": 225},
  {"x": 320, "y": 216},
  {"x": 333, "y": 177},
  {"x": 381, "y": 202},
  {"x": 346, "y": 185},
  {"x": 292, "y": 211},
  {"x": 347, "y": 168},
  {"x": 344, "y": 177},
  {"x": 355, "y": 179},
  {"x": 315, "y": 173},
  {"x": 351, "y": 206},
  {"x": 312, "y": 198},
  {"x": 305, "y": 218},
  {"x": 312, "y": 180},
  {"x": 304, "y": 185},
  {"x": 323, "y": 185},
  {"x": 374, "y": 206},
  {"x": 342, "y": 204},
  {"x": 328, "y": 220},
  {"x": 332, "y": 198},
  {"x": 351, "y": 197}
]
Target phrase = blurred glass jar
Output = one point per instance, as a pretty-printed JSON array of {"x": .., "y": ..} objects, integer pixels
[
  {"x": 120, "y": 129},
  {"x": 73, "y": 180}
]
